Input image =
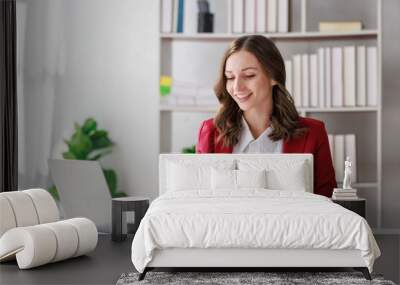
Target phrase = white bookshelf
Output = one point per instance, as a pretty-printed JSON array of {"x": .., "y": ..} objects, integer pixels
[{"x": 181, "y": 122}]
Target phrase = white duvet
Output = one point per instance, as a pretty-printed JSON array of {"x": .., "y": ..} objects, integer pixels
[{"x": 250, "y": 218}]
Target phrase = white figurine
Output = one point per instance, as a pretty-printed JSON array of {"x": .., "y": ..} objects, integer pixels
[{"x": 347, "y": 174}]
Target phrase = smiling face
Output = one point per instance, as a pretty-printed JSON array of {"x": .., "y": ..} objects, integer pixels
[{"x": 247, "y": 82}]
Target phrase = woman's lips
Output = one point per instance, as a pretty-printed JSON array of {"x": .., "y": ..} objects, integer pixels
[{"x": 244, "y": 98}]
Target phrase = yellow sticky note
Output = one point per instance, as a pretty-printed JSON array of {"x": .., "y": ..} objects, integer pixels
[{"x": 166, "y": 81}]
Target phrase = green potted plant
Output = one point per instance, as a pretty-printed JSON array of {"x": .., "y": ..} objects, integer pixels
[
  {"x": 89, "y": 143},
  {"x": 190, "y": 149}
]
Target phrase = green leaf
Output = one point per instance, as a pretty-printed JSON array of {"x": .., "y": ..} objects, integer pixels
[
  {"x": 100, "y": 139},
  {"x": 80, "y": 144},
  {"x": 54, "y": 192},
  {"x": 98, "y": 134},
  {"x": 111, "y": 178},
  {"x": 68, "y": 155},
  {"x": 97, "y": 154},
  {"x": 191, "y": 149},
  {"x": 89, "y": 126}
]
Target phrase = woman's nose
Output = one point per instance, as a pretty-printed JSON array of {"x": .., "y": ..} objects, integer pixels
[{"x": 238, "y": 85}]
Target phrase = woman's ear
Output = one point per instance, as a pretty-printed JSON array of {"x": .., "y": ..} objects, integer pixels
[{"x": 273, "y": 82}]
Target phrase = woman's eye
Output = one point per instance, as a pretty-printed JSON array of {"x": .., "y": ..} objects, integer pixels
[{"x": 250, "y": 75}]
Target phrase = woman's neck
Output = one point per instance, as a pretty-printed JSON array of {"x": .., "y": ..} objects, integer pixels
[{"x": 258, "y": 122}]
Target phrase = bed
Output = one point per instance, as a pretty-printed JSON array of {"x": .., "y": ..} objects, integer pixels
[{"x": 247, "y": 210}]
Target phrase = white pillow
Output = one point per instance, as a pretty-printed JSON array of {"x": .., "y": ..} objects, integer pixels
[
  {"x": 237, "y": 179},
  {"x": 188, "y": 175},
  {"x": 292, "y": 179},
  {"x": 223, "y": 179},
  {"x": 282, "y": 174},
  {"x": 251, "y": 178}
]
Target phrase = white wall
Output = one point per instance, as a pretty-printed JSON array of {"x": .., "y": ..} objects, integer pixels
[{"x": 92, "y": 58}]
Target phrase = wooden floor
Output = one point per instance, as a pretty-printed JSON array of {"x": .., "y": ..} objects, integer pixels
[{"x": 111, "y": 259}]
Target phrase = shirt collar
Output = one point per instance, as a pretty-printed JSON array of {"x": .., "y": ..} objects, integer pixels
[{"x": 246, "y": 137}]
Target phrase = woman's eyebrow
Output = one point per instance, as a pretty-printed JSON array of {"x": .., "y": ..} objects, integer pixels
[
  {"x": 249, "y": 68},
  {"x": 244, "y": 69}
]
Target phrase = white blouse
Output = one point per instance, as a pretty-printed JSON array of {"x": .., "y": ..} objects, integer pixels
[{"x": 263, "y": 144}]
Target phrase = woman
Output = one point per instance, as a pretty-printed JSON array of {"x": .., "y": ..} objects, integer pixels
[{"x": 257, "y": 113}]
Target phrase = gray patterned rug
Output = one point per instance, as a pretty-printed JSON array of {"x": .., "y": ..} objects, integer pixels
[{"x": 229, "y": 278}]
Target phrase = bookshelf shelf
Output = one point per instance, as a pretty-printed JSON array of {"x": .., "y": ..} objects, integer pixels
[
  {"x": 206, "y": 109},
  {"x": 277, "y": 36},
  {"x": 340, "y": 109},
  {"x": 188, "y": 108},
  {"x": 195, "y": 58}
]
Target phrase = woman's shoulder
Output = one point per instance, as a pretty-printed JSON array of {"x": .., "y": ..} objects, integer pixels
[
  {"x": 310, "y": 123},
  {"x": 208, "y": 127}
]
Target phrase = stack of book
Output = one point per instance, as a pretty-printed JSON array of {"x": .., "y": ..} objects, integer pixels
[
  {"x": 189, "y": 94},
  {"x": 259, "y": 16},
  {"x": 344, "y": 194},
  {"x": 334, "y": 77},
  {"x": 244, "y": 16}
]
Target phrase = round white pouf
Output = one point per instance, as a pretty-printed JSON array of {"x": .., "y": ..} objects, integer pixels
[
  {"x": 45, "y": 205},
  {"x": 6, "y": 215},
  {"x": 23, "y": 208},
  {"x": 33, "y": 246},
  {"x": 87, "y": 233},
  {"x": 40, "y": 244}
]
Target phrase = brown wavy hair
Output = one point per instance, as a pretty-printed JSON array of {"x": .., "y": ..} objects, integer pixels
[{"x": 284, "y": 119}]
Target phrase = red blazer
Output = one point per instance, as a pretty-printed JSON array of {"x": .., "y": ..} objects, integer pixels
[{"x": 315, "y": 141}]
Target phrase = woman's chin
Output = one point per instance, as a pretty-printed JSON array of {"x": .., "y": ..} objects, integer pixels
[{"x": 244, "y": 106}]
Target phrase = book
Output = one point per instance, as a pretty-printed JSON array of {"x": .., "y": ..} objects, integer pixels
[
  {"x": 340, "y": 26},
  {"x": 175, "y": 12},
  {"x": 349, "y": 70},
  {"x": 321, "y": 77},
  {"x": 361, "y": 76},
  {"x": 349, "y": 194},
  {"x": 289, "y": 76},
  {"x": 339, "y": 157},
  {"x": 238, "y": 16},
  {"x": 166, "y": 16},
  {"x": 339, "y": 193},
  {"x": 181, "y": 7},
  {"x": 297, "y": 70},
  {"x": 305, "y": 80},
  {"x": 272, "y": 10},
  {"x": 337, "y": 77},
  {"x": 314, "y": 80},
  {"x": 336, "y": 197},
  {"x": 190, "y": 17},
  {"x": 328, "y": 78},
  {"x": 350, "y": 151},
  {"x": 372, "y": 76},
  {"x": 261, "y": 14},
  {"x": 344, "y": 191},
  {"x": 250, "y": 16},
  {"x": 283, "y": 16},
  {"x": 229, "y": 16}
]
